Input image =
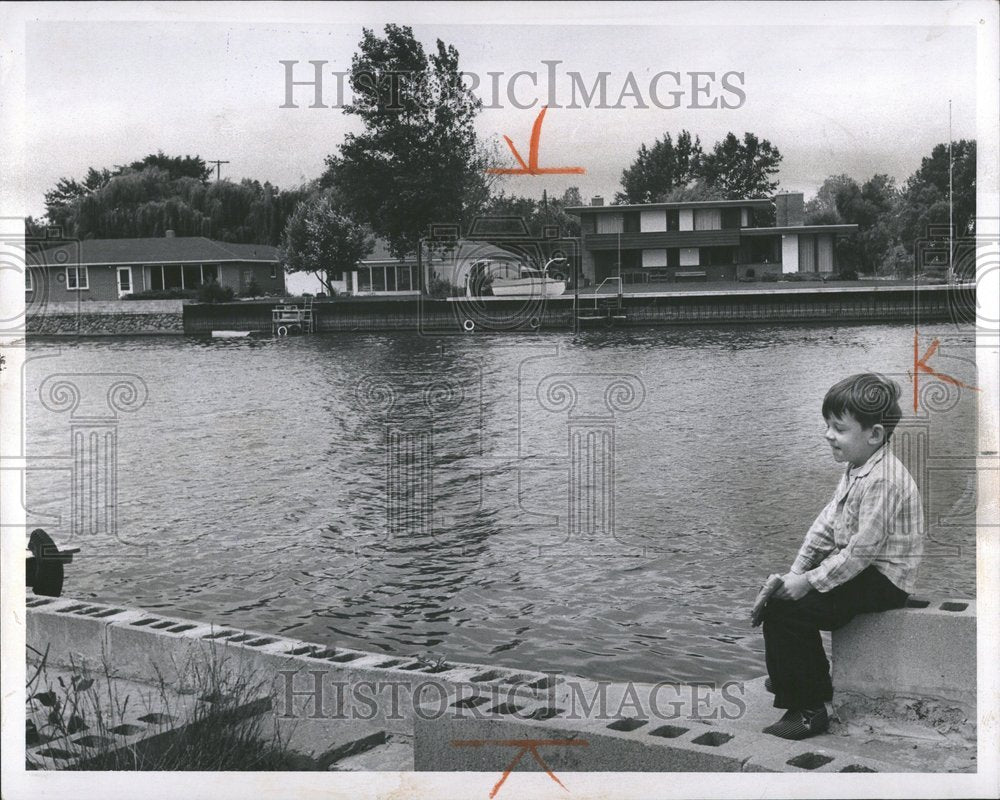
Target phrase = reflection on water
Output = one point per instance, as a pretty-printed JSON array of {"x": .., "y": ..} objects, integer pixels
[{"x": 255, "y": 488}]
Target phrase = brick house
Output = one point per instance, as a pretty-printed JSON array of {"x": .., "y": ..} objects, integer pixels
[
  {"x": 703, "y": 240},
  {"x": 110, "y": 269}
]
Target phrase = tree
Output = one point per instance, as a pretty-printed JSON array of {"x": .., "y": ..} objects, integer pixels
[
  {"x": 660, "y": 169},
  {"x": 322, "y": 240},
  {"x": 137, "y": 201},
  {"x": 417, "y": 162},
  {"x": 539, "y": 214},
  {"x": 873, "y": 207},
  {"x": 822, "y": 209},
  {"x": 175, "y": 166},
  {"x": 925, "y": 194},
  {"x": 695, "y": 192},
  {"x": 741, "y": 170},
  {"x": 60, "y": 201}
]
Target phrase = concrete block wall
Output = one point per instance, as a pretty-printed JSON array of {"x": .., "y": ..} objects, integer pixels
[
  {"x": 442, "y": 704},
  {"x": 473, "y": 736},
  {"x": 927, "y": 649},
  {"x": 149, "y": 647}
]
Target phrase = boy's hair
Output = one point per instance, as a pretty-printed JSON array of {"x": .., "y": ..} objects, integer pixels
[{"x": 870, "y": 398}]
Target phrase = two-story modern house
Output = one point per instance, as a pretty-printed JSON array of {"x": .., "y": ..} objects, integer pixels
[{"x": 703, "y": 240}]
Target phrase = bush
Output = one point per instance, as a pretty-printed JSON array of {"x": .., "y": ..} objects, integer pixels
[
  {"x": 440, "y": 288},
  {"x": 163, "y": 294},
  {"x": 846, "y": 275},
  {"x": 769, "y": 278},
  {"x": 211, "y": 292}
]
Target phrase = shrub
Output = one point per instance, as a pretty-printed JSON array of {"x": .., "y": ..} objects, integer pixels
[
  {"x": 440, "y": 288},
  {"x": 848, "y": 274},
  {"x": 163, "y": 294},
  {"x": 769, "y": 278},
  {"x": 211, "y": 292}
]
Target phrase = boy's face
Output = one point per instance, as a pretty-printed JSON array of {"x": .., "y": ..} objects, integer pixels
[{"x": 851, "y": 442}]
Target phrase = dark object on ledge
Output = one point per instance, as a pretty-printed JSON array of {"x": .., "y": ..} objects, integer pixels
[
  {"x": 770, "y": 586},
  {"x": 43, "y": 569}
]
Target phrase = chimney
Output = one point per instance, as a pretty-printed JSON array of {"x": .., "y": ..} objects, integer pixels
[
  {"x": 597, "y": 200},
  {"x": 789, "y": 209},
  {"x": 169, "y": 234}
]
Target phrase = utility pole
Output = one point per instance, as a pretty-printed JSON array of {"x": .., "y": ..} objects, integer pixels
[
  {"x": 951, "y": 209},
  {"x": 218, "y": 168}
]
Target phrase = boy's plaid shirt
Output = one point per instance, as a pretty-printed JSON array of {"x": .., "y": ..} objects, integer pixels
[{"x": 875, "y": 517}]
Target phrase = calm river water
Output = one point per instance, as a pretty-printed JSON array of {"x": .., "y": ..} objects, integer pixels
[{"x": 261, "y": 485}]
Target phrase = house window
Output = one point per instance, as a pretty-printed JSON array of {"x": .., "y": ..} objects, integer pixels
[
  {"x": 77, "y": 278},
  {"x": 394, "y": 278},
  {"x": 177, "y": 276},
  {"x": 29, "y": 282},
  {"x": 192, "y": 275},
  {"x": 708, "y": 219},
  {"x": 609, "y": 223},
  {"x": 173, "y": 276},
  {"x": 730, "y": 218},
  {"x": 673, "y": 219}
]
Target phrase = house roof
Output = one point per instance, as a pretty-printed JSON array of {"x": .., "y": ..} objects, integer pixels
[
  {"x": 380, "y": 254},
  {"x": 761, "y": 203},
  {"x": 153, "y": 250},
  {"x": 836, "y": 228}
]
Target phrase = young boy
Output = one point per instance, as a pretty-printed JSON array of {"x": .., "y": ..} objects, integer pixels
[{"x": 860, "y": 555}]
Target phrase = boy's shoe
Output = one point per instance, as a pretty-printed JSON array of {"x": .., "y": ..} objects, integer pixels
[
  {"x": 800, "y": 724},
  {"x": 767, "y": 686}
]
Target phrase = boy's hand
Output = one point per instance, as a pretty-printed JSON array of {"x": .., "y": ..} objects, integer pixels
[{"x": 793, "y": 587}]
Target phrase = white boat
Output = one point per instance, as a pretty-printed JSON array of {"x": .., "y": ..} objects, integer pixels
[
  {"x": 507, "y": 279},
  {"x": 531, "y": 283}
]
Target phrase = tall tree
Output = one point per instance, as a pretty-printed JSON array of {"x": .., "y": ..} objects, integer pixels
[
  {"x": 660, "y": 169},
  {"x": 175, "y": 166},
  {"x": 822, "y": 209},
  {"x": 417, "y": 162},
  {"x": 698, "y": 190},
  {"x": 741, "y": 169},
  {"x": 872, "y": 206},
  {"x": 925, "y": 194},
  {"x": 320, "y": 239},
  {"x": 61, "y": 201},
  {"x": 147, "y": 201}
]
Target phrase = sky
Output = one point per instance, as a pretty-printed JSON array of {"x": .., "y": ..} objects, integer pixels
[{"x": 852, "y": 98}]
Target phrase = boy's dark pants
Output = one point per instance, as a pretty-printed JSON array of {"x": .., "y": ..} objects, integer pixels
[{"x": 796, "y": 663}]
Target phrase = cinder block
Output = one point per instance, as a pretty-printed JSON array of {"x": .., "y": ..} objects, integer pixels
[
  {"x": 471, "y": 737},
  {"x": 801, "y": 757},
  {"x": 923, "y": 651},
  {"x": 74, "y": 631}
]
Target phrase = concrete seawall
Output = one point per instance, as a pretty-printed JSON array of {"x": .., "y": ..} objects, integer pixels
[
  {"x": 833, "y": 305},
  {"x": 332, "y": 696},
  {"x": 493, "y": 314}
]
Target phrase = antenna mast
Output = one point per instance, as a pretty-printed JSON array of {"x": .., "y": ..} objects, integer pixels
[{"x": 951, "y": 208}]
